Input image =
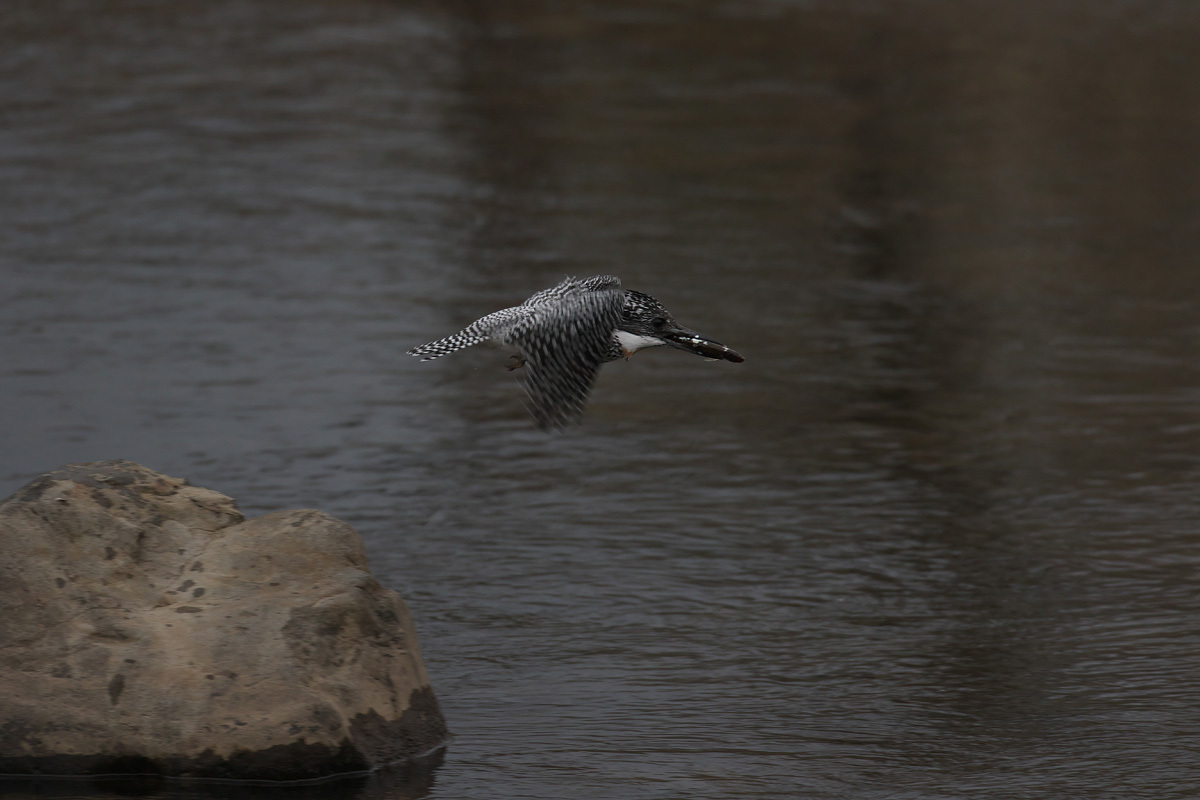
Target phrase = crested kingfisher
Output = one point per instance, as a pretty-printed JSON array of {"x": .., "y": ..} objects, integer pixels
[{"x": 563, "y": 334}]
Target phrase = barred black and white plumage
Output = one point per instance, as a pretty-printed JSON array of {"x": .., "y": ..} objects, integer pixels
[{"x": 563, "y": 334}]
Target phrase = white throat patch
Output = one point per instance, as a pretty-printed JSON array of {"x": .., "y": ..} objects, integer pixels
[{"x": 632, "y": 342}]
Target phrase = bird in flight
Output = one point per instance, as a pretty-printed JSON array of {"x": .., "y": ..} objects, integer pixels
[{"x": 563, "y": 334}]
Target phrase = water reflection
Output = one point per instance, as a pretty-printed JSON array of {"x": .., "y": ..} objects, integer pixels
[{"x": 408, "y": 781}]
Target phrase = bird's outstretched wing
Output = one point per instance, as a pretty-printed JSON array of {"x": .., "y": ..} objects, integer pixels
[
  {"x": 573, "y": 286},
  {"x": 564, "y": 340}
]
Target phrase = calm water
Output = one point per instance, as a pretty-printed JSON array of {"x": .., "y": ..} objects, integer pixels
[{"x": 938, "y": 537}]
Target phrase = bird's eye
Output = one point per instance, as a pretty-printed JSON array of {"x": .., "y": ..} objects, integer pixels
[{"x": 657, "y": 323}]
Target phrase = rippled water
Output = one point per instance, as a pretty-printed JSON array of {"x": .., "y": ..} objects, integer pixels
[{"x": 936, "y": 538}]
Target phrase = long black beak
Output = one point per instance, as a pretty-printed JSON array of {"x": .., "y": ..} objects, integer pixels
[{"x": 687, "y": 339}]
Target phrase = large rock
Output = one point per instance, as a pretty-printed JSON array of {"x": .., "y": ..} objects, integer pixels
[{"x": 147, "y": 626}]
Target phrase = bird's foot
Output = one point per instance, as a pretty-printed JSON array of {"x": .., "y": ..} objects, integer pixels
[{"x": 517, "y": 363}]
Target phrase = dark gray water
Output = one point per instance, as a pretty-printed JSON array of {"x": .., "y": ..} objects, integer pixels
[{"x": 938, "y": 537}]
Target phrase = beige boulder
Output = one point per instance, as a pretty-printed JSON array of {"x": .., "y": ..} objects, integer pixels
[{"x": 147, "y": 626}]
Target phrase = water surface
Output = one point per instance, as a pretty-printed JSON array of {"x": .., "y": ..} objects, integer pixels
[{"x": 936, "y": 538}]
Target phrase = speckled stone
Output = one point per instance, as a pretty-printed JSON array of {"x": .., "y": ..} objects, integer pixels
[{"x": 147, "y": 626}]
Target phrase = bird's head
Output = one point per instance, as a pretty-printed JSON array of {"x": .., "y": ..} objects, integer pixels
[{"x": 646, "y": 323}]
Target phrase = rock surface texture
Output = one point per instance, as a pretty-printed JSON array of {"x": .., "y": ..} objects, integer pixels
[{"x": 147, "y": 626}]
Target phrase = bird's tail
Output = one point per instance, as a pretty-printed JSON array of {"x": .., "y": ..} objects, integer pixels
[
  {"x": 442, "y": 347},
  {"x": 481, "y": 330}
]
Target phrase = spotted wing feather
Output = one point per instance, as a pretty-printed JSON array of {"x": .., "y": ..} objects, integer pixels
[
  {"x": 573, "y": 286},
  {"x": 564, "y": 342}
]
